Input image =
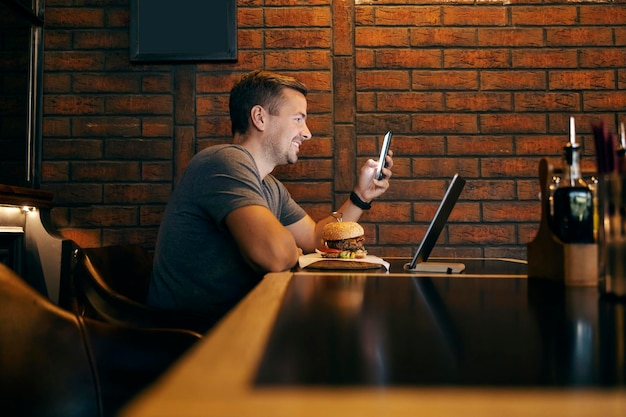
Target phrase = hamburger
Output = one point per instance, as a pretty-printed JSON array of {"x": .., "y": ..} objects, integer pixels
[{"x": 343, "y": 240}]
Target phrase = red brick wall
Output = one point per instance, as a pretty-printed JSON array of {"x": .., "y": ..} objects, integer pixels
[{"x": 484, "y": 89}]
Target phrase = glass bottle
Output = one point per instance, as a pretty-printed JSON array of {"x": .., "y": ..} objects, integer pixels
[{"x": 573, "y": 200}]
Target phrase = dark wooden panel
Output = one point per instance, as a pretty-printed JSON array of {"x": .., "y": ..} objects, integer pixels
[{"x": 358, "y": 329}]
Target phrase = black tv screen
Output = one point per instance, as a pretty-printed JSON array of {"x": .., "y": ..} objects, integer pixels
[
  {"x": 20, "y": 93},
  {"x": 183, "y": 30}
]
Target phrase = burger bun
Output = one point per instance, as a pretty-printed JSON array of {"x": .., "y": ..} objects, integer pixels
[{"x": 342, "y": 230}]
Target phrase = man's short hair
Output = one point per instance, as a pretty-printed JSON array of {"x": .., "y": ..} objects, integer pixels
[{"x": 258, "y": 87}]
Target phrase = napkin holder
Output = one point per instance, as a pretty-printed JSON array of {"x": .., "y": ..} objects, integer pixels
[{"x": 574, "y": 264}]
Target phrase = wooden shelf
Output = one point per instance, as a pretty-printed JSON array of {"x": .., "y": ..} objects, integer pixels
[{"x": 21, "y": 196}]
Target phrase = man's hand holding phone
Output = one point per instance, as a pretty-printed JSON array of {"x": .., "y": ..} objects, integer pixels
[{"x": 372, "y": 182}]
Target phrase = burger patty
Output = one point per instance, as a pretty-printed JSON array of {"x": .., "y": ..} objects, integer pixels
[{"x": 352, "y": 244}]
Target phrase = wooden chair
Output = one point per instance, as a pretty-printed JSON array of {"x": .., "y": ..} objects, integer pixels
[
  {"x": 111, "y": 284},
  {"x": 56, "y": 363}
]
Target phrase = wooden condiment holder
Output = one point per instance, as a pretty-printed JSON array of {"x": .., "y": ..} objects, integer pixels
[{"x": 573, "y": 264}]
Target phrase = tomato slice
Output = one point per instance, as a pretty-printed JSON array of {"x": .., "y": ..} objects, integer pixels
[{"x": 328, "y": 250}]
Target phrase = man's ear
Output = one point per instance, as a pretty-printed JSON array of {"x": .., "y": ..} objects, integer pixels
[{"x": 258, "y": 116}]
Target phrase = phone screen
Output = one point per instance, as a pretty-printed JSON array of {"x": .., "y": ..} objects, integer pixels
[{"x": 383, "y": 153}]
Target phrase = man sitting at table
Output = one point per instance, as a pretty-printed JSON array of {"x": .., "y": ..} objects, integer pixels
[{"x": 229, "y": 220}]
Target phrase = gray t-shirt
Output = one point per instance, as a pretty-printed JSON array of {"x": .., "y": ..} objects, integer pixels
[{"x": 197, "y": 264}]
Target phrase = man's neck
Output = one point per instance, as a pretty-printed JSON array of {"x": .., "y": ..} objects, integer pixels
[{"x": 255, "y": 147}]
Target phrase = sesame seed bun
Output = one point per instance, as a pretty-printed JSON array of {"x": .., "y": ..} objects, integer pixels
[{"x": 342, "y": 230}]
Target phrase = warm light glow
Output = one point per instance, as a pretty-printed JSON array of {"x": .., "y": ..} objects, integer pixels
[
  {"x": 12, "y": 219},
  {"x": 10, "y": 209},
  {"x": 9, "y": 214}
]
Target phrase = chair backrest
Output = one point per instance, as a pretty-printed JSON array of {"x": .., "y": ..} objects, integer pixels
[
  {"x": 55, "y": 363},
  {"x": 45, "y": 368},
  {"x": 125, "y": 269},
  {"x": 101, "y": 273}
]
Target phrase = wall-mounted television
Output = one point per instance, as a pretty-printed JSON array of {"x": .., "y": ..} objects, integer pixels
[
  {"x": 183, "y": 30},
  {"x": 21, "y": 72}
]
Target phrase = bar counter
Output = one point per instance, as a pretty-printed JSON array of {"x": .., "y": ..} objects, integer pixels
[{"x": 487, "y": 342}]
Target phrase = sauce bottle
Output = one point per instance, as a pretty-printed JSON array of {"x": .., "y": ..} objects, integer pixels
[{"x": 573, "y": 220}]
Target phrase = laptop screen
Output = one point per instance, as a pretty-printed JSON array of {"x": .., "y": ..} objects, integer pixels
[{"x": 439, "y": 221}]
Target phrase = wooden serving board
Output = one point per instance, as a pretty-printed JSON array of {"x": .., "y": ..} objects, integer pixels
[{"x": 333, "y": 264}]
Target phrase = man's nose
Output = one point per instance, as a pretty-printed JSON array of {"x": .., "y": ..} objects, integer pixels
[{"x": 306, "y": 133}]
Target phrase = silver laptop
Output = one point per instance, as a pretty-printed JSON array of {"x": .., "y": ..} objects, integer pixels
[{"x": 420, "y": 263}]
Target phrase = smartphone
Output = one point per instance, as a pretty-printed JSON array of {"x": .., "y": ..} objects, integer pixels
[{"x": 383, "y": 153}]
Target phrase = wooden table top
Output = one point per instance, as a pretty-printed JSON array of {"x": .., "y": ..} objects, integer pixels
[{"x": 393, "y": 344}]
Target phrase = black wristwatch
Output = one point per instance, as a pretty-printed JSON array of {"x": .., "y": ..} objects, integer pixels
[{"x": 356, "y": 200}]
